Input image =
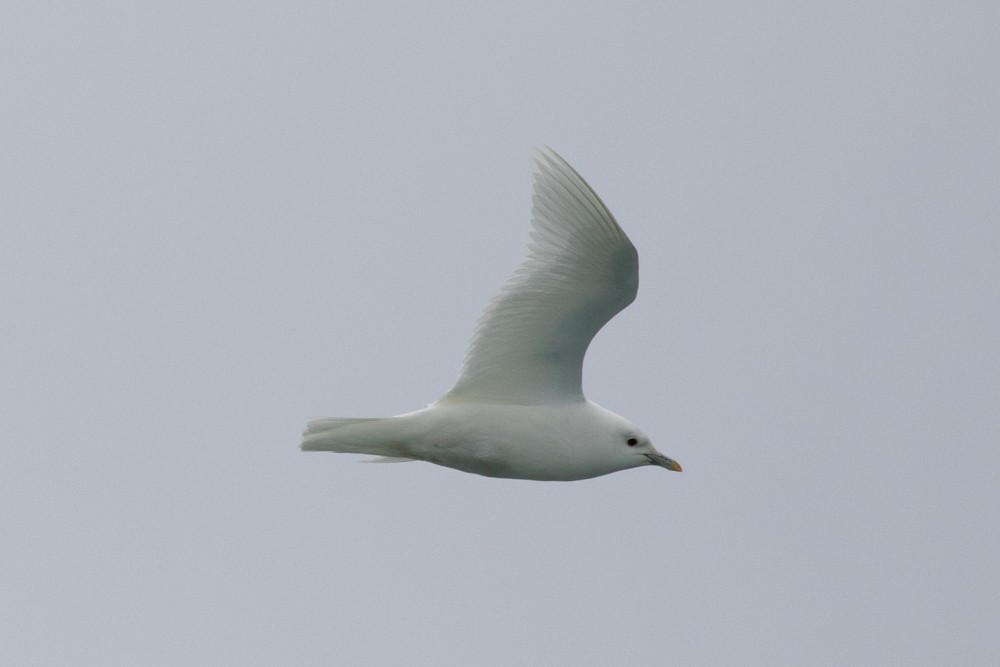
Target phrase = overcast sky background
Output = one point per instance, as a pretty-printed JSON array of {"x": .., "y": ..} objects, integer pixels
[{"x": 222, "y": 219}]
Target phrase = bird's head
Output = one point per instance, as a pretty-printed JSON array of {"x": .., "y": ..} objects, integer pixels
[
  {"x": 628, "y": 445},
  {"x": 637, "y": 444}
]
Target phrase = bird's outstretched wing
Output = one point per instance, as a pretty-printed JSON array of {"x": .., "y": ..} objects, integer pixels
[{"x": 580, "y": 271}]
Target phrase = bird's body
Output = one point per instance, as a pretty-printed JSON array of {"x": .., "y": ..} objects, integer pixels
[
  {"x": 518, "y": 408},
  {"x": 559, "y": 442}
]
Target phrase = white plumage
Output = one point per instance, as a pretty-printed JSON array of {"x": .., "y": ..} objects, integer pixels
[
  {"x": 518, "y": 408},
  {"x": 581, "y": 270}
]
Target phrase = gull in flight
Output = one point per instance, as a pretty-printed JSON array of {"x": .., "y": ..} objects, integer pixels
[{"x": 518, "y": 409}]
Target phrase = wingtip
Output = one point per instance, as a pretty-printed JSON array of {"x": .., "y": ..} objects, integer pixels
[{"x": 545, "y": 158}]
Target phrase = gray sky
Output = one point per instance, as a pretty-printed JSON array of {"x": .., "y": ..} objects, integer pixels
[{"x": 219, "y": 221}]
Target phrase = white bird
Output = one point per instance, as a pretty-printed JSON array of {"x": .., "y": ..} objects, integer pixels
[{"x": 518, "y": 408}]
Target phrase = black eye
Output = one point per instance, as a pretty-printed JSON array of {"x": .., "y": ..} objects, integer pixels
[{"x": 632, "y": 442}]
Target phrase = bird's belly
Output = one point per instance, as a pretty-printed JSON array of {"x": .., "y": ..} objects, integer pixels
[
  {"x": 519, "y": 457},
  {"x": 545, "y": 443}
]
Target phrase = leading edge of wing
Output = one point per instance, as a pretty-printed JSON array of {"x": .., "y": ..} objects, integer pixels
[{"x": 580, "y": 271}]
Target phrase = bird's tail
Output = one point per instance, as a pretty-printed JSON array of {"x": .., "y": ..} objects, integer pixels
[{"x": 379, "y": 436}]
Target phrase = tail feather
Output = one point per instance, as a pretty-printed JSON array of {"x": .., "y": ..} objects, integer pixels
[{"x": 373, "y": 435}]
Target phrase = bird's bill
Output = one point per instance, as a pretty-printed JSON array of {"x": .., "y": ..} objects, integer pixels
[{"x": 660, "y": 460}]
